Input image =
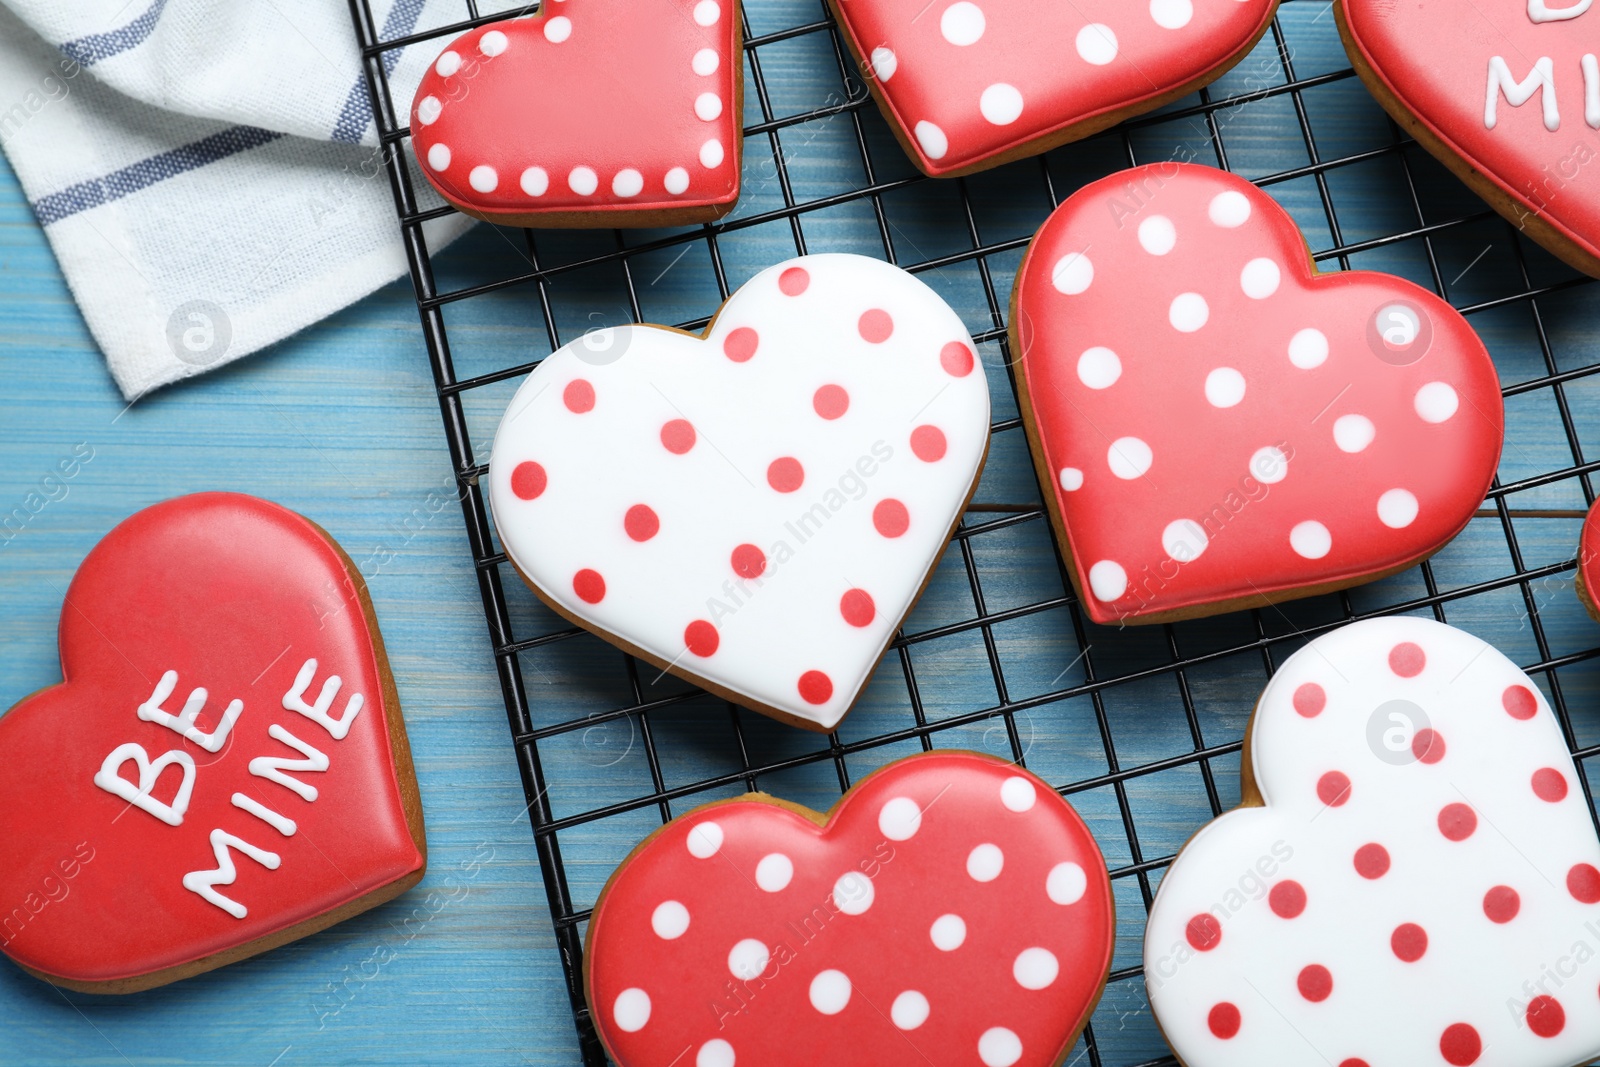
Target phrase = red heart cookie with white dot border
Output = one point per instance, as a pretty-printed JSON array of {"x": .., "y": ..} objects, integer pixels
[
  {"x": 1216, "y": 425},
  {"x": 592, "y": 113},
  {"x": 952, "y": 908},
  {"x": 1415, "y": 877},
  {"x": 225, "y": 767},
  {"x": 756, "y": 509},
  {"x": 972, "y": 84}
]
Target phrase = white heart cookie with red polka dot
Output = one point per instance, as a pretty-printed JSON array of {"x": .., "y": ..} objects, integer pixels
[
  {"x": 590, "y": 113},
  {"x": 1418, "y": 883},
  {"x": 1216, "y": 425},
  {"x": 951, "y": 909},
  {"x": 756, "y": 509},
  {"x": 970, "y": 84}
]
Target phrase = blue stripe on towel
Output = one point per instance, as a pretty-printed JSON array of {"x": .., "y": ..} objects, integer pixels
[
  {"x": 357, "y": 110},
  {"x": 97, "y": 46}
]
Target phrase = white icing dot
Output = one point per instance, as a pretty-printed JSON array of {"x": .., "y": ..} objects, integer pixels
[
  {"x": 1107, "y": 580},
  {"x": 708, "y": 106},
  {"x": 1099, "y": 368},
  {"x": 999, "y": 1047},
  {"x": 1036, "y": 968},
  {"x": 711, "y": 154},
  {"x": 1072, "y": 273},
  {"x": 1171, "y": 14},
  {"x": 677, "y": 181},
  {"x": 706, "y": 61},
  {"x": 1157, "y": 235},
  {"x": 428, "y": 110},
  {"x": 670, "y": 920},
  {"x": 1308, "y": 348},
  {"x": 962, "y": 23},
  {"x": 1224, "y": 387},
  {"x": 707, "y": 12},
  {"x": 704, "y": 840},
  {"x": 1001, "y": 104},
  {"x": 492, "y": 43},
  {"x": 714, "y": 1053},
  {"x": 535, "y": 181},
  {"x": 448, "y": 64},
  {"x": 557, "y": 29},
  {"x": 631, "y": 1010},
  {"x": 1184, "y": 540},
  {"x": 900, "y": 819},
  {"x": 1397, "y": 509},
  {"x": 984, "y": 862},
  {"x": 748, "y": 959},
  {"x": 1229, "y": 210},
  {"x": 439, "y": 156},
  {"x": 1129, "y": 457},
  {"x": 1018, "y": 794},
  {"x": 1352, "y": 433},
  {"x": 627, "y": 183},
  {"x": 483, "y": 178},
  {"x": 830, "y": 992},
  {"x": 932, "y": 139},
  {"x": 1188, "y": 312},
  {"x": 948, "y": 932},
  {"x": 1066, "y": 883},
  {"x": 884, "y": 63},
  {"x": 774, "y": 872},
  {"x": 1259, "y": 279},
  {"x": 1269, "y": 464},
  {"x": 853, "y": 893},
  {"x": 1310, "y": 539},
  {"x": 583, "y": 181},
  {"x": 1097, "y": 44},
  {"x": 1436, "y": 402},
  {"x": 909, "y": 1010},
  {"x": 1071, "y": 479}
]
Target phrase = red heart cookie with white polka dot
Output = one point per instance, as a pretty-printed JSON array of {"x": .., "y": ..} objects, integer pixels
[
  {"x": 755, "y": 509},
  {"x": 971, "y": 84},
  {"x": 592, "y": 113},
  {"x": 1216, "y": 425},
  {"x": 1415, "y": 878},
  {"x": 951, "y": 909}
]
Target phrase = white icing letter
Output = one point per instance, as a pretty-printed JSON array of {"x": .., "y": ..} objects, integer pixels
[
  {"x": 1539, "y": 11},
  {"x": 1591, "y": 91},
  {"x": 149, "y": 770},
  {"x": 272, "y": 767},
  {"x": 295, "y": 700},
  {"x": 283, "y": 825},
  {"x": 1542, "y": 76},
  {"x": 152, "y": 711},
  {"x": 205, "y": 882}
]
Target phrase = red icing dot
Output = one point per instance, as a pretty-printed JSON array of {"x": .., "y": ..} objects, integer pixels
[
  {"x": 701, "y": 638},
  {"x": 1372, "y": 861},
  {"x": 1223, "y": 1020},
  {"x": 891, "y": 518},
  {"x": 956, "y": 359},
  {"x": 1501, "y": 904},
  {"x": 785, "y": 474},
  {"x": 1354, "y": 1061},
  {"x": 831, "y": 401},
  {"x": 740, "y": 344},
  {"x": 875, "y": 326},
  {"x": 677, "y": 436},
  {"x": 1333, "y": 789},
  {"x": 857, "y": 607},
  {"x": 793, "y": 281},
  {"x": 1288, "y": 898},
  {"x": 578, "y": 396},
  {"x": 1310, "y": 699},
  {"x": 1428, "y": 746},
  {"x": 1519, "y": 702},
  {"x": 1549, "y": 784},
  {"x": 1457, "y": 821},
  {"x": 749, "y": 561},
  {"x": 1583, "y": 882},
  {"x": 641, "y": 522},
  {"x": 1460, "y": 1045},
  {"x": 1409, "y": 941},
  {"x": 1315, "y": 983},
  {"x": 1546, "y": 1016},
  {"x": 1407, "y": 659},
  {"x": 1204, "y": 932},
  {"x": 528, "y": 480},
  {"x": 928, "y": 444},
  {"x": 589, "y": 586},
  {"x": 815, "y": 687}
]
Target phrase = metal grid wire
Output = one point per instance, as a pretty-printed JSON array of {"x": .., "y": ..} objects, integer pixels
[{"x": 1521, "y": 590}]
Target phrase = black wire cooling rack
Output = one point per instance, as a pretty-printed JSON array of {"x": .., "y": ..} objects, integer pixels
[{"x": 1143, "y": 727}]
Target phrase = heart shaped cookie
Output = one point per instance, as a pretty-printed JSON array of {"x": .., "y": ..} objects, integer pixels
[
  {"x": 1414, "y": 877},
  {"x": 224, "y": 768},
  {"x": 1217, "y": 426},
  {"x": 952, "y": 908},
  {"x": 755, "y": 509},
  {"x": 1506, "y": 95},
  {"x": 1587, "y": 579},
  {"x": 591, "y": 113},
  {"x": 971, "y": 84}
]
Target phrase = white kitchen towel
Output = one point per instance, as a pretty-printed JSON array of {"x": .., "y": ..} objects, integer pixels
[{"x": 208, "y": 171}]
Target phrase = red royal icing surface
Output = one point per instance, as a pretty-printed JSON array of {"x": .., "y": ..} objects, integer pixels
[
  {"x": 610, "y": 106},
  {"x": 1588, "y": 570},
  {"x": 954, "y": 909},
  {"x": 970, "y": 80},
  {"x": 235, "y": 595},
  {"x": 1216, "y": 422}
]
